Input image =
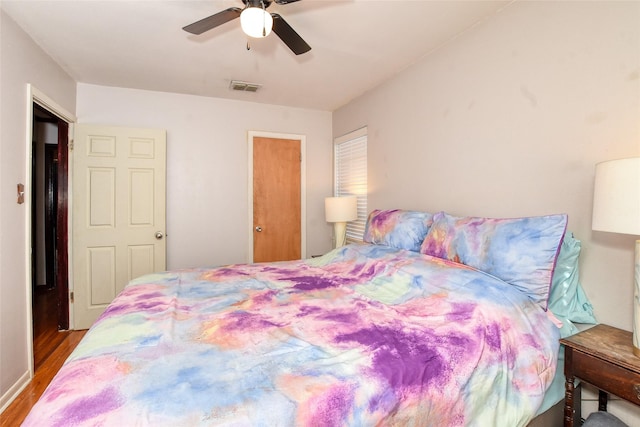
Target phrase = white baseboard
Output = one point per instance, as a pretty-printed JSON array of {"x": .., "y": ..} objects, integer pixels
[{"x": 14, "y": 391}]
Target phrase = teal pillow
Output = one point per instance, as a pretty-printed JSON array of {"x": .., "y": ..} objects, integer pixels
[{"x": 567, "y": 299}]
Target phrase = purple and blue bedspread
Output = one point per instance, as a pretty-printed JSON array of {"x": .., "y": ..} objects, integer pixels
[{"x": 365, "y": 335}]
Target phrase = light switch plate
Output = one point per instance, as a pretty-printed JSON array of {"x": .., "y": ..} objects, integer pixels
[{"x": 20, "y": 194}]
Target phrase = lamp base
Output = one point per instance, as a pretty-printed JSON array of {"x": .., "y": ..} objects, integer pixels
[
  {"x": 340, "y": 233},
  {"x": 636, "y": 303}
]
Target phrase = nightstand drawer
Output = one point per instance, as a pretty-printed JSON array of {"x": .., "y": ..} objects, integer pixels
[{"x": 606, "y": 376}]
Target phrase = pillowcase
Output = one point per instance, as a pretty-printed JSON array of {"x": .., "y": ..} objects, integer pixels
[
  {"x": 520, "y": 251},
  {"x": 397, "y": 228},
  {"x": 567, "y": 299}
]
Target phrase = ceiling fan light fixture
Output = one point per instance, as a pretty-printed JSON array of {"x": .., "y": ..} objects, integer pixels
[{"x": 256, "y": 22}]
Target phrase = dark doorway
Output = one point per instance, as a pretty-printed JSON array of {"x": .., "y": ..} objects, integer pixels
[{"x": 49, "y": 229}]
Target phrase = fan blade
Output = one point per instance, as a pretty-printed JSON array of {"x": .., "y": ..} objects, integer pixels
[
  {"x": 213, "y": 21},
  {"x": 286, "y": 1},
  {"x": 289, "y": 36}
]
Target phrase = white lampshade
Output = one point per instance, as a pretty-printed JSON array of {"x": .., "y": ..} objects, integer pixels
[
  {"x": 256, "y": 22},
  {"x": 616, "y": 196},
  {"x": 341, "y": 209},
  {"x": 616, "y": 209}
]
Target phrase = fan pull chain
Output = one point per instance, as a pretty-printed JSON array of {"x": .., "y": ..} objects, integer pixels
[
  {"x": 264, "y": 19},
  {"x": 248, "y": 47}
]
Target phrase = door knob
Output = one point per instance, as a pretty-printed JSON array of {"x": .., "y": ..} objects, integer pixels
[
  {"x": 258, "y": 229},
  {"x": 159, "y": 235}
]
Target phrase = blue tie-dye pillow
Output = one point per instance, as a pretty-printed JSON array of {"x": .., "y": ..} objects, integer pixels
[
  {"x": 397, "y": 228},
  {"x": 520, "y": 251}
]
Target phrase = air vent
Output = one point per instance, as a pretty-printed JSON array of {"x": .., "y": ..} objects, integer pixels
[{"x": 244, "y": 86}]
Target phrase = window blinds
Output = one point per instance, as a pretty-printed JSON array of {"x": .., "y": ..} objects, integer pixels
[{"x": 350, "y": 158}]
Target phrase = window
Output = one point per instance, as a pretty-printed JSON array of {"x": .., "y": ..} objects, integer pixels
[{"x": 350, "y": 176}]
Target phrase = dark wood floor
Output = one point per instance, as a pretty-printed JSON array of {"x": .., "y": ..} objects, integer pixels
[
  {"x": 46, "y": 337},
  {"x": 51, "y": 348}
]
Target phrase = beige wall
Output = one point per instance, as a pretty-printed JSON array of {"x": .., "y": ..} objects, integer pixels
[
  {"x": 506, "y": 120},
  {"x": 207, "y": 165},
  {"x": 509, "y": 120},
  {"x": 21, "y": 62}
]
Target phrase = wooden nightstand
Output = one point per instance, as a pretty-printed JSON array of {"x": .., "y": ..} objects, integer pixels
[{"x": 603, "y": 357}]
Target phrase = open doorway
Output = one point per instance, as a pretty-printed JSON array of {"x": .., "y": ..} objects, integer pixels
[{"x": 49, "y": 230}]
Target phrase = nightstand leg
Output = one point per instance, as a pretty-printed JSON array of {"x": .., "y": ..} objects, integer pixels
[
  {"x": 602, "y": 400},
  {"x": 569, "y": 388}
]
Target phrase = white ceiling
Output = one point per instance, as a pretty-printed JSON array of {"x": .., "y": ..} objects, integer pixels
[{"x": 356, "y": 45}]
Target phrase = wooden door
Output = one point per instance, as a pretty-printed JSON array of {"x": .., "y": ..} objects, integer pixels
[
  {"x": 50, "y": 212},
  {"x": 118, "y": 213},
  {"x": 62, "y": 225},
  {"x": 277, "y": 199}
]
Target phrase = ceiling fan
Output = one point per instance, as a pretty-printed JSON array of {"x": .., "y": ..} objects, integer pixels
[{"x": 256, "y": 22}]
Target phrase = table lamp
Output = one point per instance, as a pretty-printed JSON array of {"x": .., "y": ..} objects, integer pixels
[
  {"x": 339, "y": 210},
  {"x": 616, "y": 209}
]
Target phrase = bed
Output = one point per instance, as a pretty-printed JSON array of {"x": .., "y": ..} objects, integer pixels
[{"x": 433, "y": 320}]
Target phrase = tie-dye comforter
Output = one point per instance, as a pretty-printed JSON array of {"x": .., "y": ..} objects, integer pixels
[{"x": 365, "y": 335}]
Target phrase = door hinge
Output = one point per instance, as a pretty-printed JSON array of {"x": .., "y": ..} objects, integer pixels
[
  {"x": 71, "y": 297},
  {"x": 71, "y": 145}
]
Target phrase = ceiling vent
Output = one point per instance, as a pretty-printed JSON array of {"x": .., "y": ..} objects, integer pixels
[{"x": 244, "y": 86}]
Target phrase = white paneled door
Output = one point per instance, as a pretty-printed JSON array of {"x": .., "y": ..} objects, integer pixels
[{"x": 119, "y": 216}]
